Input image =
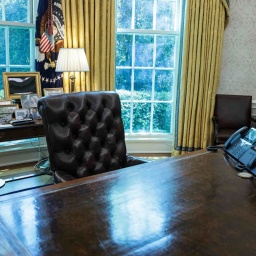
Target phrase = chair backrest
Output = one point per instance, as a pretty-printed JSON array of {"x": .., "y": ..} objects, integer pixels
[
  {"x": 84, "y": 132},
  {"x": 233, "y": 111}
]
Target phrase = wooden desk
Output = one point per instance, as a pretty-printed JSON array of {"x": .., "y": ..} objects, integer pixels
[
  {"x": 190, "y": 205},
  {"x": 17, "y": 184},
  {"x": 9, "y": 132}
]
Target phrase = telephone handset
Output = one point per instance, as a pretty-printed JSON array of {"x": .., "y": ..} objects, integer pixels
[
  {"x": 242, "y": 147},
  {"x": 235, "y": 137}
]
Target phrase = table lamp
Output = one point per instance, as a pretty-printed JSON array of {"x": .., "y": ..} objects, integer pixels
[{"x": 72, "y": 60}]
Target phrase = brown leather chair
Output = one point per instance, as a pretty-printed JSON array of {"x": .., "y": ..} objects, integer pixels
[
  {"x": 84, "y": 134},
  {"x": 231, "y": 113}
]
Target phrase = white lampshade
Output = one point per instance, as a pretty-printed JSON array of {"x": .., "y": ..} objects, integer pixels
[{"x": 72, "y": 60}]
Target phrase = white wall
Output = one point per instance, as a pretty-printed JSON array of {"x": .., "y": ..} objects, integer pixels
[{"x": 238, "y": 72}]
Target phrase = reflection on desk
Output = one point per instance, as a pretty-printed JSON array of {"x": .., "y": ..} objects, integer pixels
[
  {"x": 194, "y": 204},
  {"x": 14, "y": 185},
  {"x": 2, "y": 183},
  {"x": 5, "y": 125}
]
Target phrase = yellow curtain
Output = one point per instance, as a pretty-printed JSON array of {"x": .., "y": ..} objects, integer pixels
[
  {"x": 202, "y": 52},
  {"x": 90, "y": 24}
]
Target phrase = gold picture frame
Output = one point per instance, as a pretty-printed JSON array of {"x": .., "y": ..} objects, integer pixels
[
  {"x": 18, "y": 83},
  {"x": 5, "y": 102},
  {"x": 50, "y": 91}
]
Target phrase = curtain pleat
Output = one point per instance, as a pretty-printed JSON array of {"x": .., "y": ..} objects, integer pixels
[
  {"x": 202, "y": 51},
  {"x": 90, "y": 24}
]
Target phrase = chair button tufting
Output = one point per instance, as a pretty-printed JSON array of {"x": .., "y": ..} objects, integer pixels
[
  {"x": 70, "y": 106},
  {"x": 84, "y": 140}
]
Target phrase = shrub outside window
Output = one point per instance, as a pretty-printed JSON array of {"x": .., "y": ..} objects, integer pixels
[{"x": 147, "y": 44}]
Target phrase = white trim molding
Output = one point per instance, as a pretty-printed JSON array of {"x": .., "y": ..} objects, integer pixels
[
  {"x": 148, "y": 144},
  {"x": 23, "y": 153},
  {"x": 254, "y": 108}
]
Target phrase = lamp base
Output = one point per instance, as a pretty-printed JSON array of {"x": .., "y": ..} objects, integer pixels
[{"x": 72, "y": 83}]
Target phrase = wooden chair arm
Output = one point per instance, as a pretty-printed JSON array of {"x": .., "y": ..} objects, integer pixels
[
  {"x": 216, "y": 128},
  {"x": 253, "y": 122}
]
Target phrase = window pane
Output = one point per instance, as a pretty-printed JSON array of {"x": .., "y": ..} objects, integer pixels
[
  {"x": 1, "y": 84},
  {"x": 141, "y": 117},
  {"x": 163, "y": 84},
  {"x": 162, "y": 117},
  {"x": 19, "y": 69},
  {"x": 1, "y": 10},
  {"x": 124, "y": 50},
  {"x": 165, "y": 16},
  {"x": 144, "y": 51},
  {"x": 126, "y": 115},
  {"x": 144, "y": 14},
  {"x": 3, "y": 46},
  {"x": 19, "y": 55},
  {"x": 143, "y": 84},
  {"x": 165, "y": 51},
  {"x": 16, "y": 10},
  {"x": 146, "y": 62},
  {"x": 124, "y": 13},
  {"x": 123, "y": 83}
]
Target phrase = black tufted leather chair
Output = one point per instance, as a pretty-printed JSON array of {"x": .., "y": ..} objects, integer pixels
[{"x": 84, "y": 134}]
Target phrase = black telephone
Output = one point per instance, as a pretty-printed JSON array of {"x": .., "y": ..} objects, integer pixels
[{"x": 242, "y": 147}]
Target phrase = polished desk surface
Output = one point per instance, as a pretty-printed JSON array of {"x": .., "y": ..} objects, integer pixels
[
  {"x": 189, "y": 205},
  {"x": 26, "y": 182}
]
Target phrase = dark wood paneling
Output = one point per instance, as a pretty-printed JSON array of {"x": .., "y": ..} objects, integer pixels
[{"x": 21, "y": 132}]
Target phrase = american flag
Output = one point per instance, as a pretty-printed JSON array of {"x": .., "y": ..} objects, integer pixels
[
  {"x": 49, "y": 38},
  {"x": 47, "y": 43}
]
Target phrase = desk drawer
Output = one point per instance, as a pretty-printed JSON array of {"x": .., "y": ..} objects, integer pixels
[{"x": 21, "y": 132}]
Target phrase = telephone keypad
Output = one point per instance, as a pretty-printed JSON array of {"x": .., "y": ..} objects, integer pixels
[
  {"x": 248, "y": 158},
  {"x": 238, "y": 150}
]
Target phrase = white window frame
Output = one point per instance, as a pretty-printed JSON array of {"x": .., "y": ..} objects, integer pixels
[
  {"x": 24, "y": 150},
  {"x": 155, "y": 143},
  {"x": 31, "y": 24}
]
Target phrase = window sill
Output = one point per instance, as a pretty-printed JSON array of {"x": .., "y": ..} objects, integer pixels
[
  {"x": 22, "y": 153},
  {"x": 139, "y": 143},
  {"x": 149, "y": 143}
]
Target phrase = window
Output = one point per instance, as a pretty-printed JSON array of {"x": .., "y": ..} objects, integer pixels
[
  {"x": 147, "y": 44},
  {"x": 17, "y": 35}
]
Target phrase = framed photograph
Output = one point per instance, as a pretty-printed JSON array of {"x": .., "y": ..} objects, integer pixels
[
  {"x": 34, "y": 114},
  {"x": 21, "y": 114},
  {"x": 49, "y": 91},
  {"x": 19, "y": 83},
  {"x": 5, "y": 102},
  {"x": 7, "y": 113},
  {"x": 29, "y": 100}
]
